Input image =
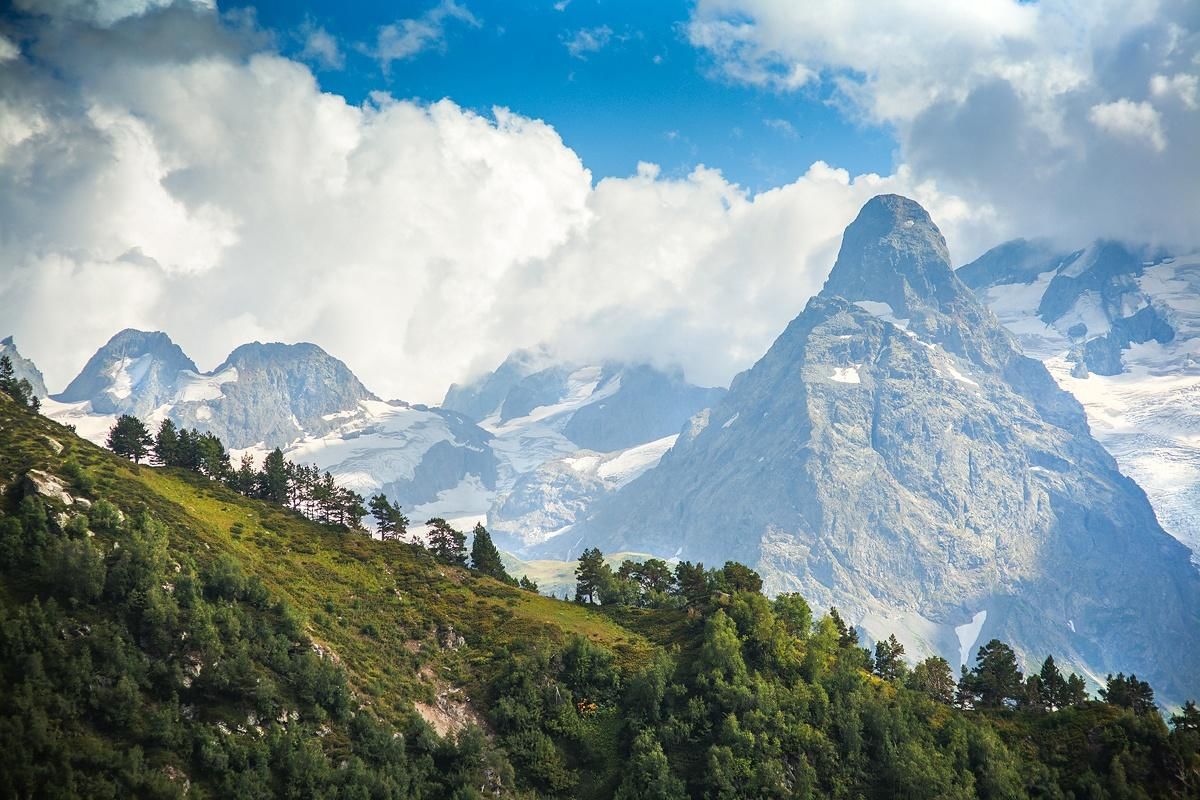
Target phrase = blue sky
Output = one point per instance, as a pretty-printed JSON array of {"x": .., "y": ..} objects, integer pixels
[{"x": 644, "y": 93}]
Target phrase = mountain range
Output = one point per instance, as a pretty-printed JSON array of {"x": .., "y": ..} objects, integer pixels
[{"x": 895, "y": 453}]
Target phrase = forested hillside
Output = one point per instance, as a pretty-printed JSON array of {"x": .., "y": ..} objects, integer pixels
[{"x": 163, "y": 635}]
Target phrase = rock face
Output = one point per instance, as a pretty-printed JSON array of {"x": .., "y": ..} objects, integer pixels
[
  {"x": 1128, "y": 348},
  {"x": 896, "y": 455},
  {"x": 134, "y": 373},
  {"x": 23, "y": 367}
]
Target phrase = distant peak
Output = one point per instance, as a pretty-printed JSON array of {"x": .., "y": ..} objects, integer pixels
[
  {"x": 7, "y": 341},
  {"x": 892, "y": 253}
]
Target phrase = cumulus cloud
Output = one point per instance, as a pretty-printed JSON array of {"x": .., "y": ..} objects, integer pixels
[
  {"x": 209, "y": 188},
  {"x": 1136, "y": 121},
  {"x": 406, "y": 38},
  {"x": 1071, "y": 120}
]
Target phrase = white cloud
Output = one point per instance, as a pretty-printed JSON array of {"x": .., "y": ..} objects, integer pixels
[
  {"x": 406, "y": 38},
  {"x": 781, "y": 126},
  {"x": 8, "y": 49},
  {"x": 225, "y": 198},
  {"x": 1185, "y": 87},
  {"x": 588, "y": 40},
  {"x": 100, "y": 12},
  {"x": 1029, "y": 107},
  {"x": 321, "y": 48},
  {"x": 1127, "y": 119}
]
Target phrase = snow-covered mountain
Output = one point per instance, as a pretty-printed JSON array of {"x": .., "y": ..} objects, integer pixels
[
  {"x": 23, "y": 367},
  {"x": 536, "y": 442},
  {"x": 1119, "y": 328},
  {"x": 895, "y": 454}
]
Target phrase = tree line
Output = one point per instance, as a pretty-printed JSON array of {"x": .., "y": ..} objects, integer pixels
[
  {"x": 304, "y": 488},
  {"x": 995, "y": 682}
]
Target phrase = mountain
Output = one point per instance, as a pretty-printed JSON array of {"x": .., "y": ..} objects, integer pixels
[
  {"x": 1119, "y": 327},
  {"x": 134, "y": 373},
  {"x": 270, "y": 394},
  {"x": 23, "y": 367},
  {"x": 896, "y": 455},
  {"x": 566, "y": 435}
]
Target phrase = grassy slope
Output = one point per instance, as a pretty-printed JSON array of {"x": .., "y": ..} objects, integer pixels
[{"x": 340, "y": 583}]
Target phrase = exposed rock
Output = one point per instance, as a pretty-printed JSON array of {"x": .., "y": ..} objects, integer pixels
[
  {"x": 55, "y": 445},
  {"x": 42, "y": 483},
  {"x": 23, "y": 367}
]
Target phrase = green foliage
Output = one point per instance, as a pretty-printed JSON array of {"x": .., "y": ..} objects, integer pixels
[
  {"x": 19, "y": 389},
  {"x": 148, "y": 648},
  {"x": 390, "y": 521},
  {"x": 447, "y": 544},
  {"x": 485, "y": 557},
  {"x": 129, "y": 438},
  {"x": 591, "y": 576}
]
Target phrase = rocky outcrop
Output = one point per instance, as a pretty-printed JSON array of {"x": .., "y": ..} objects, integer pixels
[{"x": 894, "y": 454}]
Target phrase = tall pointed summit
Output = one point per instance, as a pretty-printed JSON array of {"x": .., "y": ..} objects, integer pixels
[{"x": 896, "y": 455}]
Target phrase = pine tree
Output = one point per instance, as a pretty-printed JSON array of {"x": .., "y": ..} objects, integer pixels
[
  {"x": 996, "y": 680},
  {"x": 166, "y": 444},
  {"x": 528, "y": 585},
  {"x": 889, "y": 659},
  {"x": 129, "y": 437},
  {"x": 485, "y": 557},
  {"x": 691, "y": 583},
  {"x": 1053, "y": 685},
  {"x": 1131, "y": 693},
  {"x": 273, "y": 481},
  {"x": 590, "y": 575},
  {"x": 1076, "y": 691},
  {"x": 18, "y": 389},
  {"x": 244, "y": 478},
  {"x": 446, "y": 543},
  {"x": 212, "y": 458},
  {"x": 392, "y": 524}
]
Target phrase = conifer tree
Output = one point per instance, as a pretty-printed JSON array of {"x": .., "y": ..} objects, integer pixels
[
  {"x": 392, "y": 524},
  {"x": 590, "y": 575},
  {"x": 889, "y": 659},
  {"x": 1053, "y": 685},
  {"x": 446, "y": 543},
  {"x": 485, "y": 557},
  {"x": 129, "y": 437},
  {"x": 1131, "y": 693},
  {"x": 273, "y": 481},
  {"x": 166, "y": 444},
  {"x": 996, "y": 680}
]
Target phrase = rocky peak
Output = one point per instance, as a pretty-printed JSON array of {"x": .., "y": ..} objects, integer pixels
[
  {"x": 23, "y": 367},
  {"x": 894, "y": 253},
  {"x": 133, "y": 373}
]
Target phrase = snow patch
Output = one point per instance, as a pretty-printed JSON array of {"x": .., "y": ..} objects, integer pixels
[
  {"x": 846, "y": 374},
  {"x": 968, "y": 635},
  {"x": 732, "y": 419},
  {"x": 884, "y": 312},
  {"x": 193, "y": 387}
]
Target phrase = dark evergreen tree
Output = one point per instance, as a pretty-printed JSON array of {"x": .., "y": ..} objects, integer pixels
[
  {"x": 1076, "y": 691},
  {"x": 129, "y": 437},
  {"x": 485, "y": 557},
  {"x": 392, "y": 524},
  {"x": 273, "y": 480},
  {"x": 847, "y": 635},
  {"x": 996, "y": 680},
  {"x": 1052, "y": 684},
  {"x": 691, "y": 583},
  {"x": 889, "y": 659},
  {"x": 18, "y": 389},
  {"x": 166, "y": 444},
  {"x": 590, "y": 575},
  {"x": 1131, "y": 693},
  {"x": 648, "y": 774},
  {"x": 244, "y": 478},
  {"x": 528, "y": 585},
  {"x": 446, "y": 543},
  {"x": 735, "y": 577},
  {"x": 211, "y": 455}
]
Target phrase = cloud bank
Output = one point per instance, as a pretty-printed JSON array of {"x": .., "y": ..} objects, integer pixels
[
  {"x": 1073, "y": 120},
  {"x": 207, "y": 187}
]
